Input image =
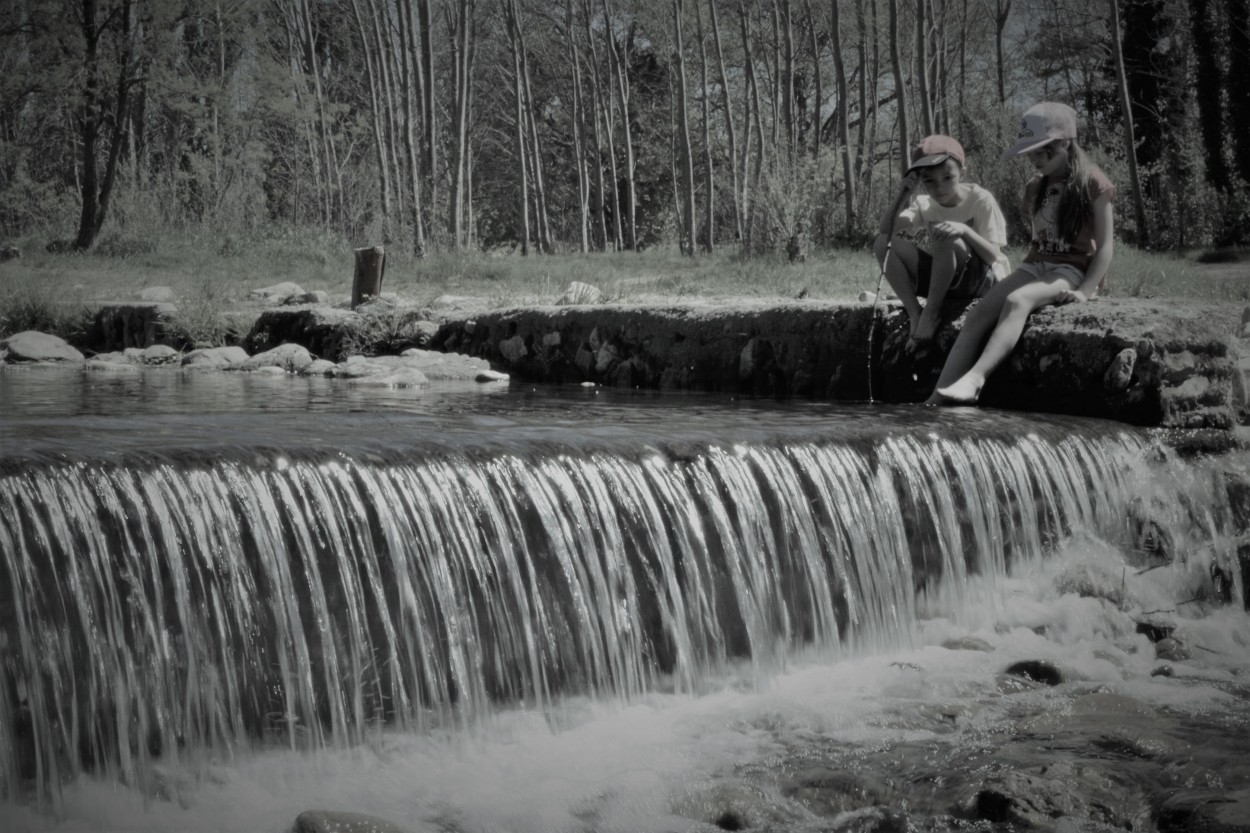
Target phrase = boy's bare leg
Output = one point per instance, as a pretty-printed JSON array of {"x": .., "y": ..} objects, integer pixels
[
  {"x": 1013, "y": 313},
  {"x": 948, "y": 258},
  {"x": 900, "y": 273}
]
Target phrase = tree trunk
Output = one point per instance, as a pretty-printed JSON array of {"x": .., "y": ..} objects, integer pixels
[
  {"x": 597, "y": 108},
  {"x": 1130, "y": 142},
  {"x": 522, "y": 152},
  {"x": 377, "y": 103},
  {"x": 922, "y": 69},
  {"x": 729, "y": 123},
  {"x": 462, "y": 38},
  {"x": 413, "y": 91},
  {"x": 429, "y": 114},
  {"x": 1207, "y": 92},
  {"x": 820, "y": 90},
  {"x": 900, "y": 90},
  {"x": 1238, "y": 17},
  {"x": 683, "y": 133},
  {"x": 848, "y": 164},
  {"x": 367, "y": 279},
  {"x": 1002, "y": 11},
  {"x": 709, "y": 214},
  {"x": 579, "y": 130},
  {"x": 621, "y": 71}
]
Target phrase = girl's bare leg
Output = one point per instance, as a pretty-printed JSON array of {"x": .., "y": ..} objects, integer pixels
[
  {"x": 900, "y": 273},
  {"x": 1019, "y": 303}
]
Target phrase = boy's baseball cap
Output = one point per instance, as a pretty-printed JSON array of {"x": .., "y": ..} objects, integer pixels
[
  {"x": 934, "y": 150},
  {"x": 1041, "y": 125}
]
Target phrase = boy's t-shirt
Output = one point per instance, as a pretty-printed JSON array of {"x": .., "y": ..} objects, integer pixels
[
  {"x": 1048, "y": 245},
  {"x": 978, "y": 210}
]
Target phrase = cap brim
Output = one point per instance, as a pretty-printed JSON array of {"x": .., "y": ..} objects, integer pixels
[
  {"x": 1026, "y": 145},
  {"x": 929, "y": 161}
]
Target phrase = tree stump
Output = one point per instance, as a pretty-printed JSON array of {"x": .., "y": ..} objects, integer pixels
[{"x": 367, "y": 282}]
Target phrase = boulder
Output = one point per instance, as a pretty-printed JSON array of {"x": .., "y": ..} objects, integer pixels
[
  {"x": 277, "y": 293},
  {"x": 215, "y": 356},
  {"x": 337, "y": 821},
  {"x": 290, "y": 358},
  {"x": 136, "y": 324},
  {"x": 34, "y": 346}
]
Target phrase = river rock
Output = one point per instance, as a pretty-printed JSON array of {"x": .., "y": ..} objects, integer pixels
[
  {"x": 277, "y": 293},
  {"x": 34, "y": 346},
  {"x": 320, "y": 367},
  {"x": 291, "y": 358},
  {"x": 215, "y": 356},
  {"x": 336, "y": 821},
  {"x": 159, "y": 354}
]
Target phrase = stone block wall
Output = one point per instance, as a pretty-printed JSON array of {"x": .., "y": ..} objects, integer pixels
[{"x": 1141, "y": 362}]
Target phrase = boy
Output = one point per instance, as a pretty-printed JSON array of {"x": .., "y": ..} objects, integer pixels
[{"x": 944, "y": 243}]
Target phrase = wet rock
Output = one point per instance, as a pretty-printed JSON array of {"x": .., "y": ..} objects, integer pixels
[
  {"x": 100, "y": 365},
  {"x": 828, "y": 792},
  {"x": 215, "y": 356},
  {"x": 336, "y": 821},
  {"x": 1035, "y": 670},
  {"x": 291, "y": 358},
  {"x": 1035, "y": 798},
  {"x": 34, "y": 346},
  {"x": 1120, "y": 372},
  {"x": 1156, "y": 629},
  {"x": 513, "y": 349},
  {"x": 160, "y": 354},
  {"x": 1172, "y": 650},
  {"x": 491, "y": 376},
  {"x": 967, "y": 643},
  {"x": 1205, "y": 811},
  {"x": 319, "y": 367},
  {"x": 1163, "y": 671},
  {"x": 316, "y": 296}
]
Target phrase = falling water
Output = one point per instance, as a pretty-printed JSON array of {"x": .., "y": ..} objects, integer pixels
[{"x": 157, "y": 602}]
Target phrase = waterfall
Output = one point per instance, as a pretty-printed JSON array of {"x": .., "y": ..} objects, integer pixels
[{"x": 155, "y": 604}]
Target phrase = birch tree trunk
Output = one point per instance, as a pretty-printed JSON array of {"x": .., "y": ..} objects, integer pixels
[
  {"x": 429, "y": 115},
  {"x": 729, "y": 122},
  {"x": 709, "y": 215},
  {"x": 621, "y": 73},
  {"x": 598, "y": 109},
  {"x": 1002, "y": 12},
  {"x": 820, "y": 91},
  {"x": 522, "y": 124},
  {"x": 413, "y": 84},
  {"x": 461, "y": 36},
  {"x": 688, "y": 233},
  {"x": 1130, "y": 142},
  {"x": 579, "y": 130},
  {"x": 922, "y": 69},
  {"x": 377, "y": 103},
  {"x": 848, "y": 163},
  {"x": 900, "y": 89}
]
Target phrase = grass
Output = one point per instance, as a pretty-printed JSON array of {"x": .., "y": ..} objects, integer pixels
[{"x": 213, "y": 274}]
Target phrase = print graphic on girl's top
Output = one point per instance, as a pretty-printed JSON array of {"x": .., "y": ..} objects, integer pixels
[{"x": 1046, "y": 224}]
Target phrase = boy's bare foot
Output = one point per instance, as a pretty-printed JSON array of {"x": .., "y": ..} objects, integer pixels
[
  {"x": 924, "y": 329},
  {"x": 964, "y": 391}
]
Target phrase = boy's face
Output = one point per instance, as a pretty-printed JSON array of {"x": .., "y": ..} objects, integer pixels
[{"x": 942, "y": 182}]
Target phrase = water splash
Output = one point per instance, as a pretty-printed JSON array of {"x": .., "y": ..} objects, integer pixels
[{"x": 156, "y": 607}]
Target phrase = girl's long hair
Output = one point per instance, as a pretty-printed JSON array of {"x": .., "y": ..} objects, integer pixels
[{"x": 1074, "y": 203}]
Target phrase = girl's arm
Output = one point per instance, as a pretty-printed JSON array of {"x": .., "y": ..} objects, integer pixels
[{"x": 1104, "y": 221}]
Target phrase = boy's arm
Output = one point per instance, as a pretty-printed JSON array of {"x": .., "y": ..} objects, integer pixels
[{"x": 890, "y": 218}]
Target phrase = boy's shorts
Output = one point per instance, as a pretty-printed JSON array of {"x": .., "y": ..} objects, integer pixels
[{"x": 971, "y": 281}]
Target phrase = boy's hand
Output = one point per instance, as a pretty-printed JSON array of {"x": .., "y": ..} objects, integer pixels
[{"x": 949, "y": 230}]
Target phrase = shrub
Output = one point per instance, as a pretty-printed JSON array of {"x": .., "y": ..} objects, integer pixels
[{"x": 30, "y": 305}]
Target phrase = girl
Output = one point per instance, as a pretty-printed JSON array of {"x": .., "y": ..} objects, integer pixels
[{"x": 1069, "y": 200}]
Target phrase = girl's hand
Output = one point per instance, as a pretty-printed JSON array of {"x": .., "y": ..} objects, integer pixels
[
  {"x": 1071, "y": 296},
  {"x": 948, "y": 230}
]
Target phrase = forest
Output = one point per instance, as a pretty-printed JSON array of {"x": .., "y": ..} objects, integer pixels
[{"x": 541, "y": 126}]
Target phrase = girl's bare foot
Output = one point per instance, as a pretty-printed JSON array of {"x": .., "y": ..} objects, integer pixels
[{"x": 964, "y": 391}]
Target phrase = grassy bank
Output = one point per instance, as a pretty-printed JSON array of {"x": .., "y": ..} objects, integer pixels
[{"x": 211, "y": 275}]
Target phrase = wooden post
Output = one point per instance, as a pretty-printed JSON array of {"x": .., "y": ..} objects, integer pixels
[{"x": 367, "y": 282}]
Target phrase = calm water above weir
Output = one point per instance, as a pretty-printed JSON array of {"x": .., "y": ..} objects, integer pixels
[{"x": 227, "y": 598}]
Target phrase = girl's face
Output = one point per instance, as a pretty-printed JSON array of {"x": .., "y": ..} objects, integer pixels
[
  {"x": 942, "y": 182},
  {"x": 1050, "y": 159}
]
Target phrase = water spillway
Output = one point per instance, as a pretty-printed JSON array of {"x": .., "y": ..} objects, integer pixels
[{"x": 217, "y": 581}]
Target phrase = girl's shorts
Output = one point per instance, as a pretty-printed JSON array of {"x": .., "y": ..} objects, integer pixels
[
  {"x": 1041, "y": 269},
  {"x": 971, "y": 281}
]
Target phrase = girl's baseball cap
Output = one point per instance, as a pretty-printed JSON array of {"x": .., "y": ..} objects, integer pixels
[
  {"x": 1042, "y": 124},
  {"x": 934, "y": 150}
]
